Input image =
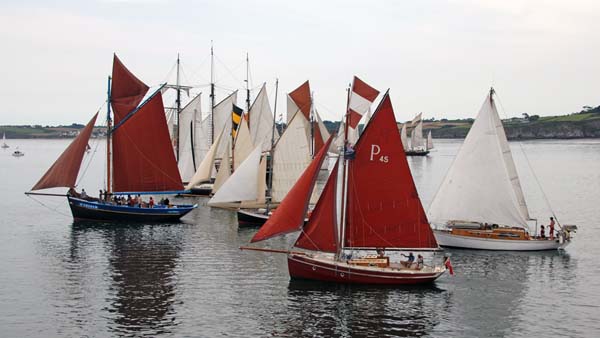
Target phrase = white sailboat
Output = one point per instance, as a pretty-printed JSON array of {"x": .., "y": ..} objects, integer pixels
[
  {"x": 480, "y": 203},
  {"x": 429, "y": 141},
  {"x": 418, "y": 145},
  {"x": 4, "y": 145}
]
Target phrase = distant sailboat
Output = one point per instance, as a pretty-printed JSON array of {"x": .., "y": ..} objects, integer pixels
[
  {"x": 480, "y": 203},
  {"x": 369, "y": 204},
  {"x": 418, "y": 146},
  {"x": 140, "y": 159},
  {"x": 4, "y": 145},
  {"x": 429, "y": 141}
]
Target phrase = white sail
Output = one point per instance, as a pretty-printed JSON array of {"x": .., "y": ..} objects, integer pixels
[
  {"x": 243, "y": 145},
  {"x": 205, "y": 168},
  {"x": 416, "y": 137},
  {"x": 261, "y": 190},
  {"x": 225, "y": 166},
  {"x": 291, "y": 156},
  {"x": 242, "y": 185},
  {"x": 482, "y": 185},
  {"x": 404, "y": 138},
  {"x": 324, "y": 132},
  {"x": 292, "y": 108},
  {"x": 222, "y": 117},
  {"x": 188, "y": 139},
  {"x": 261, "y": 121},
  {"x": 429, "y": 141}
]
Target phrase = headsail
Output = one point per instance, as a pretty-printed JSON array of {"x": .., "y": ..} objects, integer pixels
[
  {"x": 205, "y": 168},
  {"x": 403, "y": 137},
  {"x": 299, "y": 100},
  {"x": 319, "y": 233},
  {"x": 260, "y": 121},
  {"x": 482, "y": 185},
  {"x": 383, "y": 206},
  {"x": 63, "y": 173},
  {"x": 243, "y": 144},
  {"x": 225, "y": 166},
  {"x": 289, "y": 216},
  {"x": 242, "y": 185}
]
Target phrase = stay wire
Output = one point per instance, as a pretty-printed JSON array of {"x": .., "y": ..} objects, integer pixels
[{"x": 48, "y": 207}]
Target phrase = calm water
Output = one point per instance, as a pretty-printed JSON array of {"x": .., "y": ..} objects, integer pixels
[{"x": 190, "y": 279}]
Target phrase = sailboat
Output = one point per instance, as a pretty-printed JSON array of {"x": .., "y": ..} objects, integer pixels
[
  {"x": 418, "y": 146},
  {"x": 140, "y": 159},
  {"x": 369, "y": 204},
  {"x": 429, "y": 141},
  {"x": 4, "y": 145},
  {"x": 291, "y": 154},
  {"x": 18, "y": 153},
  {"x": 480, "y": 203}
]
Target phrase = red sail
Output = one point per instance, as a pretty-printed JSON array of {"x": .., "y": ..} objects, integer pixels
[
  {"x": 63, "y": 173},
  {"x": 383, "y": 207},
  {"x": 126, "y": 92},
  {"x": 142, "y": 153},
  {"x": 301, "y": 97},
  {"x": 318, "y": 137},
  {"x": 289, "y": 216},
  {"x": 319, "y": 233}
]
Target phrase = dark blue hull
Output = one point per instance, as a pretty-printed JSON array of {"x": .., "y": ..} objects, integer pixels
[{"x": 97, "y": 211}]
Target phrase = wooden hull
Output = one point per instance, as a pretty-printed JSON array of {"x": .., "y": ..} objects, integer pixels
[
  {"x": 96, "y": 211},
  {"x": 202, "y": 190},
  {"x": 247, "y": 219},
  {"x": 446, "y": 239},
  {"x": 328, "y": 270}
]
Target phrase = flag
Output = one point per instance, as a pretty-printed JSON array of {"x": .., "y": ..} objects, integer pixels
[
  {"x": 448, "y": 265},
  {"x": 236, "y": 118},
  {"x": 361, "y": 98},
  {"x": 416, "y": 119}
]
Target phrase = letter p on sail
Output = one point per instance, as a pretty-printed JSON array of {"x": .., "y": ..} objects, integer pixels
[{"x": 375, "y": 150}]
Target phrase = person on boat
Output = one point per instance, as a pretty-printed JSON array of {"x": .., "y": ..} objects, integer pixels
[
  {"x": 72, "y": 192},
  {"x": 130, "y": 201},
  {"x": 83, "y": 194},
  {"x": 409, "y": 261},
  {"x": 348, "y": 151},
  {"x": 380, "y": 252},
  {"x": 151, "y": 202},
  {"x": 551, "y": 228},
  {"x": 167, "y": 203},
  {"x": 542, "y": 232},
  {"x": 100, "y": 195},
  {"x": 140, "y": 201},
  {"x": 420, "y": 262}
]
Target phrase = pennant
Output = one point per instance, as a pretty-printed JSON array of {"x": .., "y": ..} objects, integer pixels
[
  {"x": 236, "y": 118},
  {"x": 361, "y": 98}
]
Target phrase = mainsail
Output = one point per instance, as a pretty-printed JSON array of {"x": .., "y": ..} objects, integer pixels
[
  {"x": 482, "y": 185},
  {"x": 192, "y": 142},
  {"x": 126, "y": 92},
  {"x": 404, "y": 137},
  {"x": 63, "y": 173},
  {"x": 383, "y": 206},
  {"x": 299, "y": 100},
  {"x": 429, "y": 141},
  {"x": 416, "y": 137}
]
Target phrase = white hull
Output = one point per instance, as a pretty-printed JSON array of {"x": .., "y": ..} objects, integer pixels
[{"x": 444, "y": 238}]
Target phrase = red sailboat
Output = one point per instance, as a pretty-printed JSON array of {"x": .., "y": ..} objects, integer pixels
[
  {"x": 139, "y": 158},
  {"x": 368, "y": 208}
]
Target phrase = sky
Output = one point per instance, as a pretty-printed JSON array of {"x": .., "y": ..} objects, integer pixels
[{"x": 436, "y": 57}]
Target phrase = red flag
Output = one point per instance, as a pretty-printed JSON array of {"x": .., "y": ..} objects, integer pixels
[
  {"x": 360, "y": 100},
  {"x": 448, "y": 265}
]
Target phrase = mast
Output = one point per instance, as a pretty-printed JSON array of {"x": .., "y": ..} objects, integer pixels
[
  {"x": 108, "y": 131},
  {"x": 178, "y": 101},
  {"x": 342, "y": 225},
  {"x": 212, "y": 94},
  {"x": 247, "y": 84},
  {"x": 270, "y": 183},
  {"x": 312, "y": 126}
]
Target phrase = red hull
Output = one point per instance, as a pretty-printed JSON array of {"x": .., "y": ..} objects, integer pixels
[{"x": 304, "y": 267}]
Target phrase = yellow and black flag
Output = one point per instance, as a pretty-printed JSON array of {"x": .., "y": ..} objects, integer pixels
[{"x": 236, "y": 118}]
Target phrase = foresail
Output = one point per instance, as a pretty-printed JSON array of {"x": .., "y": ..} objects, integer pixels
[
  {"x": 204, "y": 171},
  {"x": 319, "y": 233},
  {"x": 479, "y": 186},
  {"x": 126, "y": 92},
  {"x": 225, "y": 166},
  {"x": 291, "y": 156},
  {"x": 403, "y": 137},
  {"x": 301, "y": 97},
  {"x": 383, "y": 206},
  {"x": 242, "y": 185},
  {"x": 429, "y": 141},
  {"x": 243, "y": 145},
  {"x": 261, "y": 121},
  {"x": 290, "y": 214},
  {"x": 63, "y": 173}
]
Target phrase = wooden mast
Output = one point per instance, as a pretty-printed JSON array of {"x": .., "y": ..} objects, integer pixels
[
  {"x": 271, "y": 150},
  {"x": 212, "y": 95},
  {"x": 247, "y": 85},
  {"x": 178, "y": 102},
  {"x": 342, "y": 225},
  {"x": 108, "y": 132}
]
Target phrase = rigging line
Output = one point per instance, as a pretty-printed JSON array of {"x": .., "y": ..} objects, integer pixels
[
  {"x": 48, "y": 207},
  {"x": 89, "y": 161},
  {"x": 166, "y": 79},
  {"x": 230, "y": 71}
]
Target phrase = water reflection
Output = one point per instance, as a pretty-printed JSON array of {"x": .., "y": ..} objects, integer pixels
[
  {"x": 141, "y": 263},
  {"x": 331, "y": 310}
]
